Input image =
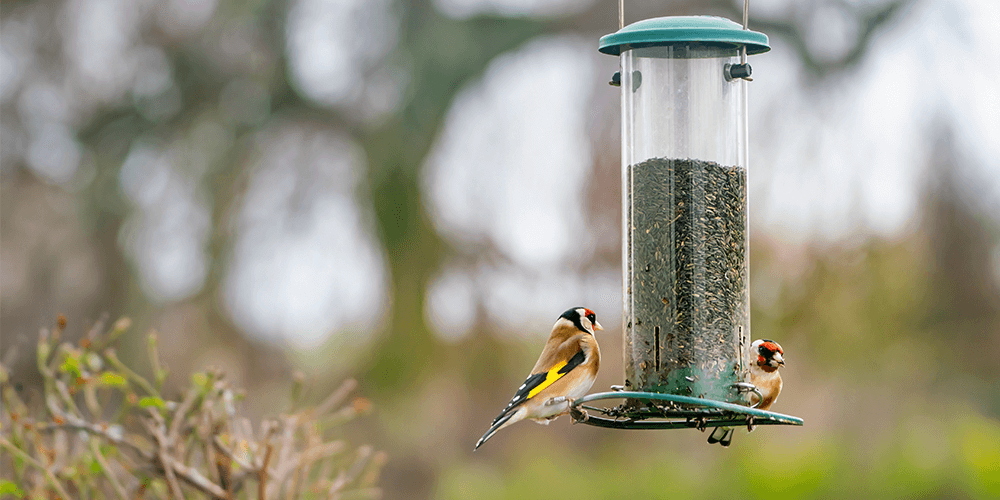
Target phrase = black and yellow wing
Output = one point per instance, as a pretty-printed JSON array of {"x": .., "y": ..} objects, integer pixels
[{"x": 537, "y": 382}]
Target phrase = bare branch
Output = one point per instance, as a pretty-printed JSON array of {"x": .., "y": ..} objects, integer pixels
[
  {"x": 112, "y": 358},
  {"x": 336, "y": 397},
  {"x": 106, "y": 468},
  {"x": 155, "y": 428},
  {"x": 120, "y": 327},
  {"x": 262, "y": 474},
  {"x": 95, "y": 330},
  {"x": 159, "y": 373},
  {"x": 102, "y": 430},
  {"x": 181, "y": 414},
  {"x": 221, "y": 448},
  {"x": 35, "y": 463},
  {"x": 196, "y": 479},
  {"x": 347, "y": 477}
]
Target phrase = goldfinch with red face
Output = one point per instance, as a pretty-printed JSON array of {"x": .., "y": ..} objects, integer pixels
[
  {"x": 766, "y": 357},
  {"x": 565, "y": 371}
]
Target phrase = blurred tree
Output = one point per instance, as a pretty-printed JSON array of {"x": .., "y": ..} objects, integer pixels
[
  {"x": 963, "y": 303},
  {"x": 440, "y": 55}
]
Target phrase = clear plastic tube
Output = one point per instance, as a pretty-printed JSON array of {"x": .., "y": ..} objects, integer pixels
[{"x": 684, "y": 191}]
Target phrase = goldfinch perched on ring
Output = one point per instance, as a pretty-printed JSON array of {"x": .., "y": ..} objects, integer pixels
[
  {"x": 565, "y": 371},
  {"x": 765, "y": 358},
  {"x": 764, "y": 371}
]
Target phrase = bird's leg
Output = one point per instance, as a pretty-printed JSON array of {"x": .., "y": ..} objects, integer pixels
[
  {"x": 578, "y": 414},
  {"x": 556, "y": 400}
]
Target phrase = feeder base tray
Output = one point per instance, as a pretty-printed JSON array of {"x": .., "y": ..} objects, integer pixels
[{"x": 669, "y": 411}]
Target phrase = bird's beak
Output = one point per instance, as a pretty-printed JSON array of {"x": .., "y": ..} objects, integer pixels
[
  {"x": 597, "y": 326},
  {"x": 777, "y": 357}
]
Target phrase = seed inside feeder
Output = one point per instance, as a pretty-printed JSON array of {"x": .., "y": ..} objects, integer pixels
[{"x": 688, "y": 277}]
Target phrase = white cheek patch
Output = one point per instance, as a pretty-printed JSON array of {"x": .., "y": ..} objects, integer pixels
[{"x": 585, "y": 321}]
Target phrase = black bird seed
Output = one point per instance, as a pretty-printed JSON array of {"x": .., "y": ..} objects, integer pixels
[{"x": 687, "y": 303}]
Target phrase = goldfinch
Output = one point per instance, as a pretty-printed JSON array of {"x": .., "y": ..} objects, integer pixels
[
  {"x": 766, "y": 357},
  {"x": 565, "y": 371}
]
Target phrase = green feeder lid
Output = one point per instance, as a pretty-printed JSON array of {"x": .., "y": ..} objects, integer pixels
[{"x": 680, "y": 29}]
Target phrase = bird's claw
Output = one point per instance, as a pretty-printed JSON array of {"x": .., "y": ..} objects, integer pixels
[
  {"x": 750, "y": 424},
  {"x": 578, "y": 415},
  {"x": 702, "y": 424}
]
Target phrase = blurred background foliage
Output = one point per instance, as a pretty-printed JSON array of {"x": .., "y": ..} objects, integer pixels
[{"x": 410, "y": 191}]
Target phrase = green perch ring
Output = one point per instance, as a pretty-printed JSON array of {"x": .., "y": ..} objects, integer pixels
[{"x": 651, "y": 410}]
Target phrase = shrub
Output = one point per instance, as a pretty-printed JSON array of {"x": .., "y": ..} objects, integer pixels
[{"x": 107, "y": 432}]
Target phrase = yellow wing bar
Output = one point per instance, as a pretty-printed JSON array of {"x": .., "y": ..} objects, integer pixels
[{"x": 550, "y": 377}]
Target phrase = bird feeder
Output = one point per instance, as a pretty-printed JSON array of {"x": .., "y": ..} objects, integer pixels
[{"x": 685, "y": 247}]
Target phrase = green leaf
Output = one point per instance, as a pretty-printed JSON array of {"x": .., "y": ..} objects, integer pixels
[
  {"x": 7, "y": 487},
  {"x": 199, "y": 379},
  {"x": 148, "y": 401},
  {"x": 71, "y": 365},
  {"x": 114, "y": 379}
]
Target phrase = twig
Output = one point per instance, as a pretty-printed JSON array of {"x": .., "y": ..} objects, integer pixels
[
  {"x": 295, "y": 489},
  {"x": 375, "y": 468},
  {"x": 337, "y": 397},
  {"x": 346, "y": 477},
  {"x": 27, "y": 458},
  {"x": 91, "y": 336},
  {"x": 121, "y": 326},
  {"x": 224, "y": 466},
  {"x": 298, "y": 386},
  {"x": 76, "y": 424},
  {"x": 221, "y": 448},
  {"x": 112, "y": 357},
  {"x": 312, "y": 455},
  {"x": 155, "y": 427},
  {"x": 106, "y": 468},
  {"x": 287, "y": 440},
  {"x": 60, "y": 350},
  {"x": 262, "y": 474},
  {"x": 90, "y": 397},
  {"x": 67, "y": 398},
  {"x": 159, "y": 374},
  {"x": 43, "y": 352},
  {"x": 194, "y": 478},
  {"x": 205, "y": 433},
  {"x": 140, "y": 491},
  {"x": 181, "y": 414}
]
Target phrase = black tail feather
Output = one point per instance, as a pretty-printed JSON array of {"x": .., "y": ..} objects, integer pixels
[
  {"x": 493, "y": 429},
  {"x": 721, "y": 435}
]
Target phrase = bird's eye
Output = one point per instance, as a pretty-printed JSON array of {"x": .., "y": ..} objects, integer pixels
[{"x": 592, "y": 317}]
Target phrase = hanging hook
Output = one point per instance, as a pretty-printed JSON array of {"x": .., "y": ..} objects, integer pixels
[
  {"x": 741, "y": 70},
  {"x": 616, "y": 79}
]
